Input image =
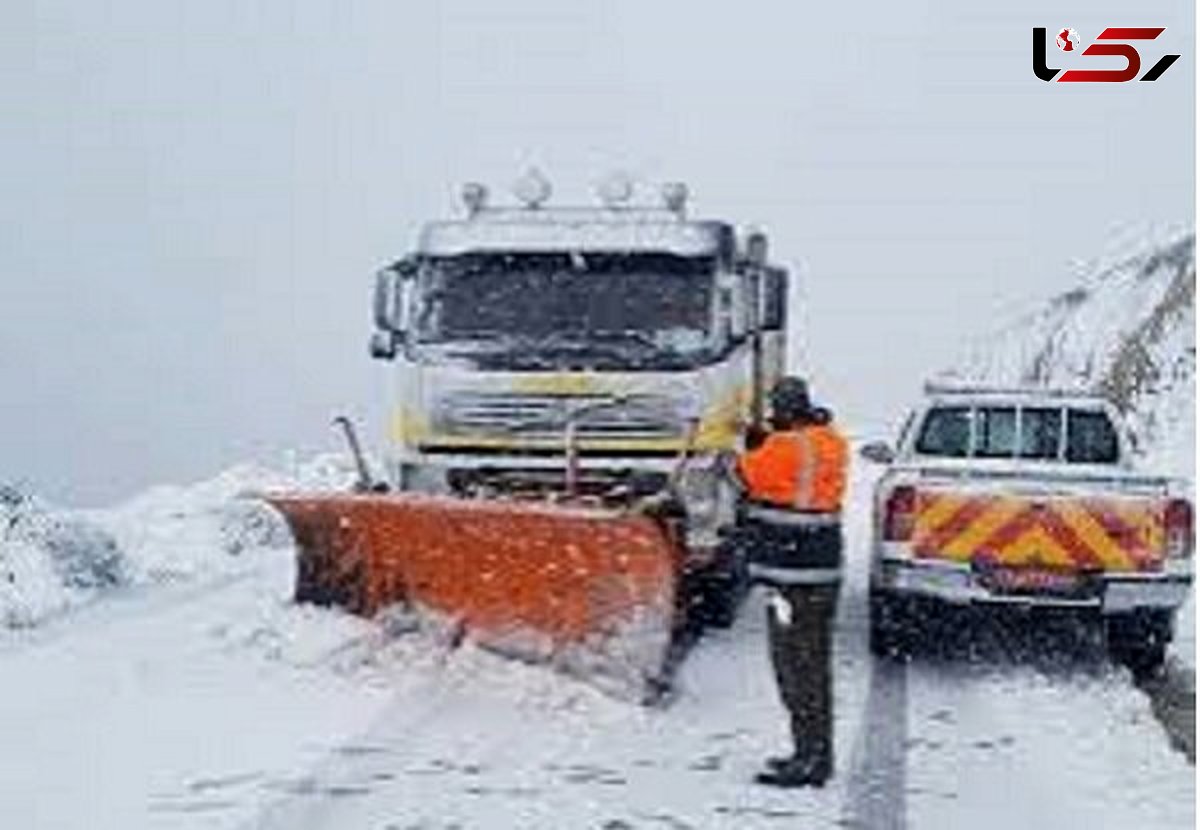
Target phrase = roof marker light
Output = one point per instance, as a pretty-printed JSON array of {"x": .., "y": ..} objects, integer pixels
[
  {"x": 615, "y": 190},
  {"x": 675, "y": 196},
  {"x": 474, "y": 197},
  {"x": 532, "y": 189}
]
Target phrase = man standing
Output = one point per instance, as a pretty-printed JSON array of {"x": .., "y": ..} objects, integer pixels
[{"x": 794, "y": 482}]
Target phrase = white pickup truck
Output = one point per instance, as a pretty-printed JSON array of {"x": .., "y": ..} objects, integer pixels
[{"x": 1029, "y": 497}]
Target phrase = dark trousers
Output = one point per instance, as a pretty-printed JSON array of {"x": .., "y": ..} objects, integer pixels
[{"x": 800, "y": 628}]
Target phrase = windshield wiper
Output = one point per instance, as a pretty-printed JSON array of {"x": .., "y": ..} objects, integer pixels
[{"x": 639, "y": 338}]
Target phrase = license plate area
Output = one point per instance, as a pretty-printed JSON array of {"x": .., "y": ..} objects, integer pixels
[{"x": 1009, "y": 580}]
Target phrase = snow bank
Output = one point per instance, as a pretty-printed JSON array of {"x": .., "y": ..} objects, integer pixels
[
  {"x": 175, "y": 532},
  {"x": 404, "y": 651},
  {"x": 50, "y": 560},
  {"x": 53, "y": 560}
]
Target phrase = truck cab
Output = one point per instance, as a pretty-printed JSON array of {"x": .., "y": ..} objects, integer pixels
[
  {"x": 539, "y": 349},
  {"x": 1029, "y": 497}
]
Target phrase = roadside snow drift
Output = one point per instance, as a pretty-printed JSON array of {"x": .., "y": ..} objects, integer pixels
[
  {"x": 53, "y": 559},
  {"x": 172, "y": 532},
  {"x": 50, "y": 560}
]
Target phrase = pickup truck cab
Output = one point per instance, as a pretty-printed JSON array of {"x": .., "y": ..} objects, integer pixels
[{"x": 1029, "y": 497}]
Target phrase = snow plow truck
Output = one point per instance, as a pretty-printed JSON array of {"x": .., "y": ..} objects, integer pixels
[{"x": 566, "y": 383}]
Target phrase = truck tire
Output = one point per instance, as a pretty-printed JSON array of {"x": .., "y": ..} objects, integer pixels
[
  {"x": 1138, "y": 640},
  {"x": 891, "y": 626}
]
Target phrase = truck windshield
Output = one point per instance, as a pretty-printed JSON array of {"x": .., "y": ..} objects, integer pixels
[
  {"x": 598, "y": 308},
  {"x": 1033, "y": 433}
]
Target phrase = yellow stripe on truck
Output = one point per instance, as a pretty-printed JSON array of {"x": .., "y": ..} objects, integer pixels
[
  {"x": 963, "y": 546},
  {"x": 1072, "y": 533},
  {"x": 938, "y": 511},
  {"x": 1096, "y": 537}
]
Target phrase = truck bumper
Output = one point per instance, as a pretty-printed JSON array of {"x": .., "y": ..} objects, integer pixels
[
  {"x": 707, "y": 498},
  {"x": 433, "y": 472},
  {"x": 959, "y": 584}
]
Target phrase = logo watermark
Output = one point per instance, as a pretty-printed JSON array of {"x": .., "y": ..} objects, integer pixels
[{"x": 1067, "y": 40}]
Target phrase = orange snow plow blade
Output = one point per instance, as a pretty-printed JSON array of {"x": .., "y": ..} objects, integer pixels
[{"x": 591, "y": 591}]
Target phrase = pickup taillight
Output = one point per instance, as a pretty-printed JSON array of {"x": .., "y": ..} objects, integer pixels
[
  {"x": 1180, "y": 538},
  {"x": 899, "y": 514}
]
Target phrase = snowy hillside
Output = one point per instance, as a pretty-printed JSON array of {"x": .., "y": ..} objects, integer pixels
[{"x": 1127, "y": 330}]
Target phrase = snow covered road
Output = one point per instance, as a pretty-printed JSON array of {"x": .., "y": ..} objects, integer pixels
[
  {"x": 215, "y": 703},
  {"x": 138, "y": 710}
]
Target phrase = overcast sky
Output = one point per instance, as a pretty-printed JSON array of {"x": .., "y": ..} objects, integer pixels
[{"x": 195, "y": 195}]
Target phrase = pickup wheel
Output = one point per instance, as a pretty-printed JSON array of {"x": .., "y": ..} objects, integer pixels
[
  {"x": 891, "y": 624},
  {"x": 1139, "y": 640}
]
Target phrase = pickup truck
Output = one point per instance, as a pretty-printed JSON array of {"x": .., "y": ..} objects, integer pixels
[{"x": 1027, "y": 497}]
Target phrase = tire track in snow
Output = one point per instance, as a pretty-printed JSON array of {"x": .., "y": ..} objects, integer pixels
[
  {"x": 1172, "y": 696},
  {"x": 876, "y": 784},
  {"x": 875, "y": 792},
  {"x": 295, "y": 806},
  {"x": 356, "y": 782}
]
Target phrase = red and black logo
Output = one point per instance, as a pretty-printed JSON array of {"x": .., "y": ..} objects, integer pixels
[{"x": 1067, "y": 40}]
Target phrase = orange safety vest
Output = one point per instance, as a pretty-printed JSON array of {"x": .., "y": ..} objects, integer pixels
[{"x": 804, "y": 469}]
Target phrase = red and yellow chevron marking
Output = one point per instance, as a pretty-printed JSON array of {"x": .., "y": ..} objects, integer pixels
[{"x": 1107, "y": 534}]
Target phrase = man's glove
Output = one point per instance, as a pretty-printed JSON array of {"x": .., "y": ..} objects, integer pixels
[{"x": 755, "y": 436}]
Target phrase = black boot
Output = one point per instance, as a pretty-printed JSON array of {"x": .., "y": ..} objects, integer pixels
[
  {"x": 795, "y": 772},
  {"x": 777, "y": 762}
]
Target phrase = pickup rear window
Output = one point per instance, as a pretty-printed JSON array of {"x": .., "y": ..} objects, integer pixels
[
  {"x": 946, "y": 432},
  {"x": 997, "y": 431},
  {"x": 1091, "y": 438},
  {"x": 1031, "y": 432}
]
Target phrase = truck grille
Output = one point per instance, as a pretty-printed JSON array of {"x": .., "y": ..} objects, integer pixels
[{"x": 545, "y": 416}]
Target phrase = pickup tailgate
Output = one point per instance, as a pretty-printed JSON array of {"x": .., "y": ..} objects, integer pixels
[{"x": 1001, "y": 525}]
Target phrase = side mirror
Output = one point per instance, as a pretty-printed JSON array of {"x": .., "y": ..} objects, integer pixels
[
  {"x": 389, "y": 307},
  {"x": 878, "y": 452},
  {"x": 773, "y": 299},
  {"x": 386, "y": 305},
  {"x": 756, "y": 249}
]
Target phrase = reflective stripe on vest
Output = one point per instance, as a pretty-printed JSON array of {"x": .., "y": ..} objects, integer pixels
[
  {"x": 806, "y": 470},
  {"x": 795, "y": 576},
  {"x": 788, "y": 516}
]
